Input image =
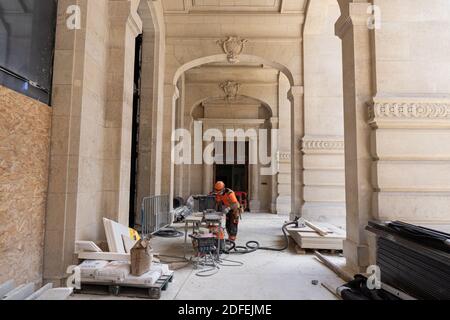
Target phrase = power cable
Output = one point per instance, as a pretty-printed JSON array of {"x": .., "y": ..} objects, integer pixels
[
  {"x": 253, "y": 245},
  {"x": 169, "y": 233}
]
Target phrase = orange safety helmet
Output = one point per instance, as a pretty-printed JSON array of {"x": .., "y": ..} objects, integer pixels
[{"x": 219, "y": 186}]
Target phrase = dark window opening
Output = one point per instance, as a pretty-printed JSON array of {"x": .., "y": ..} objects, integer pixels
[{"x": 27, "y": 42}]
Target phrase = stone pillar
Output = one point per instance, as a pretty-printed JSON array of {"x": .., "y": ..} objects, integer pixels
[
  {"x": 274, "y": 178},
  {"x": 208, "y": 176},
  {"x": 124, "y": 26},
  {"x": 61, "y": 216},
  {"x": 148, "y": 175},
  {"x": 297, "y": 128},
  {"x": 357, "y": 78},
  {"x": 284, "y": 183},
  {"x": 171, "y": 95},
  {"x": 152, "y": 94},
  {"x": 283, "y": 205},
  {"x": 179, "y": 171},
  {"x": 255, "y": 203}
]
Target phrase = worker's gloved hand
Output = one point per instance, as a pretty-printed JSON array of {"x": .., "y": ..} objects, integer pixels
[{"x": 226, "y": 210}]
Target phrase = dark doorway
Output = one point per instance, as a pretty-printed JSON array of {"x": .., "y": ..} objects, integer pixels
[
  {"x": 235, "y": 177},
  {"x": 232, "y": 167},
  {"x": 135, "y": 131}
]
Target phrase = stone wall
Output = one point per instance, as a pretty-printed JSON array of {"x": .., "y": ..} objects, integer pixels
[{"x": 24, "y": 152}]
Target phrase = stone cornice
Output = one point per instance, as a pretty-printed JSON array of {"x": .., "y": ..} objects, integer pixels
[
  {"x": 323, "y": 145},
  {"x": 404, "y": 112}
]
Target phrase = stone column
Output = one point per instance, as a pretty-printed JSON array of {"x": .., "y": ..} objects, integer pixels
[
  {"x": 208, "y": 176},
  {"x": 274, "y": 180},
  {"x": 357, "y": 71},
  {"x": 283, "y": 202},
  {"x": 152, "y": 94},
  {"x": 171, "y": 95},
  {"x": 255, "y": 203},
  {"x": 179, "y": 171},
  {"x": 61, "y": 216},
  {"x": 124, "y": 27},
  {"x": 297, "y": 128}
]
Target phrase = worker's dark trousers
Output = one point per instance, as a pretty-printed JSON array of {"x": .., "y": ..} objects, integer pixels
[{"x": 232, "y": 227}]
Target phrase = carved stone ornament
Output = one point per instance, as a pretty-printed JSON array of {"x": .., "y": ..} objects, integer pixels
[
  {"x": 231, "y": 89},
  {"x": 233, "y": 47}
]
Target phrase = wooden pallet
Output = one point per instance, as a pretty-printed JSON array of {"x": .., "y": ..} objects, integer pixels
[
  {"x": 126, "y": 290},
  {"x": 301, "y": 251}
]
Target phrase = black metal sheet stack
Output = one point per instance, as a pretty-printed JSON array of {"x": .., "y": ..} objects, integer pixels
[{"x": 413, "y": 260}]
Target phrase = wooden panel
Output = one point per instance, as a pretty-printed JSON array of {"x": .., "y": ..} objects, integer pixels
[{"x": 24, "y": 158}]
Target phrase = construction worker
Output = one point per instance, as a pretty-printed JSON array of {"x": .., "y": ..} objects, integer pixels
[{"x": 226, "y": 198}]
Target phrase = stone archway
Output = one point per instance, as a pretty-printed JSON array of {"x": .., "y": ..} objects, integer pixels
[{"x": 295, "y": 95}]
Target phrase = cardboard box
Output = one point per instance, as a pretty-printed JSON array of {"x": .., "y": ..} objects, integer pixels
[{"x": 141, "y": 257}]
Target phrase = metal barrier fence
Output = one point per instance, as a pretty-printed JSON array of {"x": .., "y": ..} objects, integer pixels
[{"x": 155, "y": 214}]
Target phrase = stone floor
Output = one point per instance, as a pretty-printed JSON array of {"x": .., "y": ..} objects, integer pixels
[{"x": 264, "y": 275}]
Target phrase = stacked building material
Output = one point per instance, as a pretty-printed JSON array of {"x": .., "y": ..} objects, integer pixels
[
  {"x": 309, "y": 238},
  {"x": 413, "y": 259}
]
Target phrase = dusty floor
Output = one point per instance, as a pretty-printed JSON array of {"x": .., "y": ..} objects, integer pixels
[{"x": 264, "y": 275}]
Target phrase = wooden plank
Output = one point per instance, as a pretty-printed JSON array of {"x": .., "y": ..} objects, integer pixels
[
  {"x": 331, "y": 289},
  {"x": 89, "y": 246},
  {"x": 20, "y": 293},
  {"x": 318, "y": 229},
  {"x": 56, "y": 294},
  {"x": 108, "y": 256},
  {"x": 6, "y": 287},
  {"x": 40, "y": 292}
]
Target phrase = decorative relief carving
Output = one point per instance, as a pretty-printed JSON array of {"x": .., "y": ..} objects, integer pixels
[
  {"x": 323, "y": 145},
  {"x": 409, "y": 113},
  {"x": 231, "y": 89},
  {"x": 409, "y": 110},
  {"x": 233, "y": 47},
  {"x": 284, "y": 156}
]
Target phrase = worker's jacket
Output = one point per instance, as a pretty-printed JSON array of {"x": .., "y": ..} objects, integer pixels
[{"x": 228, "y": 199}]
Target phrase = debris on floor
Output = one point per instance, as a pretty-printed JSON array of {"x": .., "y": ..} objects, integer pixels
[
  {"x": 9, "y": 291},
  {"x": 128, "y": 269}
]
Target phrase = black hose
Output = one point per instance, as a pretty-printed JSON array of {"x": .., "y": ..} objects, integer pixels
[
  {"x": 252, "y": 245},
  {"x": 169, "y": 233}
]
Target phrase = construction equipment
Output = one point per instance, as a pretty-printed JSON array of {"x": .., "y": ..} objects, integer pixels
[{"x": 243, "y": 199}]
